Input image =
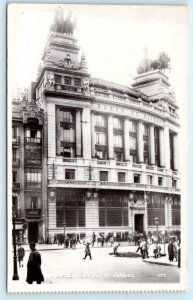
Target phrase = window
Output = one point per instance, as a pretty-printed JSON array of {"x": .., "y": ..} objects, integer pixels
[
  {"x": 57, "y": 79},
  {"x": 118, "y": 141},
  {"x": 133, "y": 126},
  {"x": 33, "y": 154},
  {"x": 77, "y": 82},
  {"x": 101, "y": 154},
  {"x": 33, "y": 135},
  {"x": 70, "y": 205},
  {"x": 66, "y": 116},
  {"x": 117, "y": 123},
  {"x": 156, "y": 141},
  {"x": 136, "y": 178},
  {"x": 100, "y": 138},
  {"x": 121, "y": 177},
  {"x": 149, "y": 179},
  {"x": 160, "y": 181},
  {"x": 174, "y": 183},
  {"x": 14, "y": 176},
  {"x": 34, "y": 202},
  {"x": 14, "y": 131},
  {"x": 100, "y": 121},
  {"x": 156, "y": 209},
  {"x": 103, "y": 176},
  {"x": 176, "y": 211},
  {"x": 133, "y": 143},
  {"x": 118, "y": 156},
  {"x": 146, "y": 144},
  {"x": 33, "y": 178},
  {"x": 113, "y": 210},
  {"x": 14, "y": 154},
  {"x": 67, "y": 80},
  {"x": 68, "y": 152},
  {"x": 67, "y": 135},
  {"x": 69, "y": 174}
]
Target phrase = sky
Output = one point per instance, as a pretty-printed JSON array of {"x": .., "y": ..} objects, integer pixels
[{"x": 113, "y": 39}]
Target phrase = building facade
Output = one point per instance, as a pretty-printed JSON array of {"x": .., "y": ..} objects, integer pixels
[{"x": 92, "y": 155}]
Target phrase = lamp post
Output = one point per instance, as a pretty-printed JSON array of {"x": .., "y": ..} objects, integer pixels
[
  {"x": 15, "y": 272},
  {"x": 156, "y": 221}
]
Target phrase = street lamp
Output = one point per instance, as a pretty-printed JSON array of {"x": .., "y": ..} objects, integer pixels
[
  {"x": 15, "y": 273},
  {"x": 156, "y": 221}
]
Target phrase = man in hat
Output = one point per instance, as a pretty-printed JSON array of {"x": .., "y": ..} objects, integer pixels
[{"x": 34, "y": 272}]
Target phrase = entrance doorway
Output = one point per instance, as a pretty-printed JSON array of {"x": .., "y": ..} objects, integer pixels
[
  {"x": 139, "y": 223},
  {"x": 33, "y": 232}
]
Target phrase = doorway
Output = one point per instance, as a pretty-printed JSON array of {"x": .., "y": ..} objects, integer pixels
[
  {"x": 139, "y": 223},
  {"x": 33, "y": 232}
]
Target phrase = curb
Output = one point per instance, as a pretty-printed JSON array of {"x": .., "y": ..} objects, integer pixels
[{"x": 159, "y": 263}]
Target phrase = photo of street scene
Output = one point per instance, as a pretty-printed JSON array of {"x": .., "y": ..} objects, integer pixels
[{"x": 97, "y": 103}]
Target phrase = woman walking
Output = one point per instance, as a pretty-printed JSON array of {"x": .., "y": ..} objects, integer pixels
[{"x": 34, "y": 272}]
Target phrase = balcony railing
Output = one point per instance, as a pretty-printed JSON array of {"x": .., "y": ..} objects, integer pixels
[
  {"x": 16, "y": 139},
  {"x": 70, "y": 160},
  {"x": 113, "y": 185},
  {"x": 103, "y": 162},
  {"x": 33, "y": 184},
  {"x": 16, "y": 162},
  {"x": 33, "y": 212},
  {"x": 16, "y": 185},
  {"x": 136, "y": 166},
  {"x": 31, "y": 140},
  {"x": 119, "y": 163},
  {"x": 150, "y": 167},
  {"x": 30, "y": 161}
]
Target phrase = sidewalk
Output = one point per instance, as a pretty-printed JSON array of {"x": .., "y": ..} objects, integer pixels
[{"x": 161, "y": 261}]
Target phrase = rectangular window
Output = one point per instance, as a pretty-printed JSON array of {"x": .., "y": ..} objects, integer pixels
[
  {"x": 70, "y": 206},
  {"x": 101, "y": 154},
  {"x": 100, "y": 121},
  {"x": 69, "y": 174},
  {"x": 174, "y": 183},
  {"x": 14, "y": 175},
  {"x": 133, "y": 126},
  {"x": 33, "y": 178},
  {"x": 156, "y": 209},
  {"x": 149, "y": 179},
  {"x": 34, "y": 202},
  {"x": 77, "y": 82},
  {"x": 136, "y": 178},
  {"x": 176, "y": 212},
  {"x": 117, "y": 123},
  {"x": 33, "y": 135},
  {"x": 160, "y": 181},
  {"x": 118, "y": 141},
  {"x": 14, "y": 131},
  {"x": 121, "y": 177},
  {"x": 113, "y": 210},
  {"x": 33, "y": 154},
  {"x": 57, "y": 79},
  {"x": 66, "y": 116},
  {"x": 118, "y": 156},
  {"x": 67, "y": 80},
  {"x": 100, "y": 138},
  {"x": 103, "y": 176}
]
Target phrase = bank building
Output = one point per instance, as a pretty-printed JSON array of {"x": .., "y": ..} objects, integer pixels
[{"x": 93, "y": 155}]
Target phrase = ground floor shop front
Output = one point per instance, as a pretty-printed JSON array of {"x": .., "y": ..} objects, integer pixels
[{"x": 115, "y": 212}]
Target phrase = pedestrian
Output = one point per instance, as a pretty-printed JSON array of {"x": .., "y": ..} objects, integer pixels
[
  {"x": 139, "y": 246},
  {"x": 87, "y": 250},
  {"x": 176, "y": 246},
  {"x": 171, "y": 251},
  {"x": 21, "y": 254},
  {"x": 111, "y": 240},
  {"x": 93, "y": 238},
  {"x": 102, "y": 240},
  {"x": 144, "y": 250},
  {"x": 78, "y": 238},
  {"x": 34, "y": 272},
  {"x": 67, "y": 242},
  {"x": 115, "y": 248}
]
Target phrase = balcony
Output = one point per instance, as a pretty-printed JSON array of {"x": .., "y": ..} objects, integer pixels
[
  {"x": 136, "y": 166},
  {"x": 103, "y": 162},
  {"x": 33, "y": 213},
  {"x": 67, "y": 88},
  {"x": 30, "y": 140},
  {"x": 16, "y": 185},
  {"x": 120, "y": 163},
  {"x": 16, "y": 140},
  {"x": 69, "y": 183},
  {"x": 70, "y": 160},
  {"x": 16, "y": 162},
  {"x": 33, "y": 162}
]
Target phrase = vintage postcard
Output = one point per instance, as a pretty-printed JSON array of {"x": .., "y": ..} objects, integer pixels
[{"x": 98, "y": 148}]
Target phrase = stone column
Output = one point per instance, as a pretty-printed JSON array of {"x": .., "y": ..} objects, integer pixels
[
  {"x": 92, "y": 135},
  {"x": 152, "y": 145},
  {"x": 175, "y": 151},
  {"x": 167, "y": 147},
  {"x": 140, "y": 141},
  {"x": 110, "y": 137},
  {"x": 58, "y": 131},
  {"x": 51, "y": 131},
  {"x": 161, "y": 147},
  {"x": 86, "y": 137},
  {"x": 78, "y": 134},
  {"x": 126, "y": 140}
]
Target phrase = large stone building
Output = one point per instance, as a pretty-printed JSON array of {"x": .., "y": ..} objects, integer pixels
[{"x": 91, "y": 154}]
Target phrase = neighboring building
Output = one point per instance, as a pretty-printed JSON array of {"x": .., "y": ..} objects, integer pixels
[{"x": 95, "y": 155}]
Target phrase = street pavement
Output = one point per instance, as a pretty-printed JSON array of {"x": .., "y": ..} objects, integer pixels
[{"x": 67, "y": 267}]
